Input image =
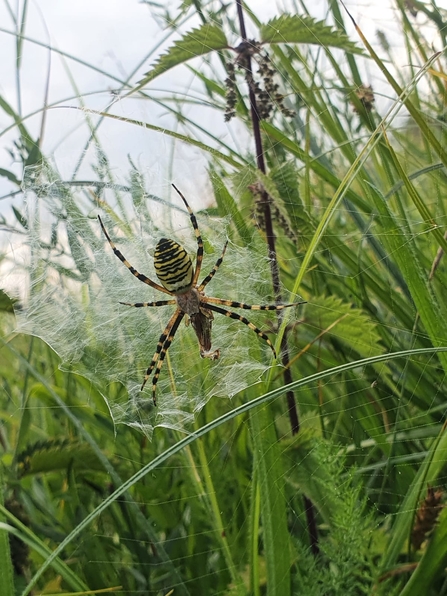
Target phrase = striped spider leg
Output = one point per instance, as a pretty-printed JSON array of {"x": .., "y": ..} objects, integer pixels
[{"x": 179, "y": 279}]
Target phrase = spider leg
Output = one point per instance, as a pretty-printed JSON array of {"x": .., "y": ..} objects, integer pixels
[
  {"x": 199, "y": 257},
  {"x": 134, "y": 272},
  {"x": 210, "y": 275},
  {"x": 162, "y": 347},
  {"x": 236, "y": 317},
  {"x": 158, "y": 303},
  {"x": 163, "y": 353},
  {"x": 209, "y": 299}
]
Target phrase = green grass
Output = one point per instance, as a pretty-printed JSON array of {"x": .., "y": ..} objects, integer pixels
[{"x": 203, "y": 495}]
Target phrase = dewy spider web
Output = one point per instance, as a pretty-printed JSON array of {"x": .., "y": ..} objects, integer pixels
[{"x": 76, "y": 284}]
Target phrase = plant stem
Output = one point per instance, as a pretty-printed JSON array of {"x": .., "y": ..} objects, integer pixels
[{"x": 270, "y": 236}]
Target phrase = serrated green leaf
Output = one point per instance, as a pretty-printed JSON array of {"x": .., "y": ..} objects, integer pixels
[
  {"x": 197, "y": 42},
  {"x": 299, "y": 29},
  {"x": 350, "y": 325}
]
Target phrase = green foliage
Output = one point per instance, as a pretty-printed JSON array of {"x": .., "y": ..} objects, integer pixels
[
  {"x": 304, "y": 29},
  {"x": 6, "y": 302},
  {"x": 6, "y": 572},
  {"x": 198, "y": 42},
  {"x": 205, "y": 495},
  {"x": 346, "y": 324},
  {"x": 346, "y": 563},
  {"x": 433, "y": 562},
  {"x": 228, "y": 208},
  {"x": 54, "y": 455},
  {"x": 270, "y": 477}
]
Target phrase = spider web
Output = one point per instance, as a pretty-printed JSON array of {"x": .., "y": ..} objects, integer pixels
[{"x": 76, "y": 284}]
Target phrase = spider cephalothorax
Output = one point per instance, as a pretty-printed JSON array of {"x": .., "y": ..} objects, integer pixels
[{"x": 179, "y": 279}]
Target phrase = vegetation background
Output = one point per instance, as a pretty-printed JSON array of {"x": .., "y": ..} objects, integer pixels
[{"x": 323, "y": 477}]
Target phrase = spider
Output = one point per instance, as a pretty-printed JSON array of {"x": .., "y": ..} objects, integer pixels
[{"x": 179, "y": 278}]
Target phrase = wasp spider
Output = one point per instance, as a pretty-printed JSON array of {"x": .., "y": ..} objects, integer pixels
[{"x": 179, "y": 279}]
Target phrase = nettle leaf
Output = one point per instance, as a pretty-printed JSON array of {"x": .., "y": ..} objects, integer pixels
[
  {"x": 347, "y": 324},
  {"x": 303, "y": 29},
  {"x": 197, "y": 42}
]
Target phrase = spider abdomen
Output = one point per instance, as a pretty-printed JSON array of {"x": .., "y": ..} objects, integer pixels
[{"x": 173, "y": 266}]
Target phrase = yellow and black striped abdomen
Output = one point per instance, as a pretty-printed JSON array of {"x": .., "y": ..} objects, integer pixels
[{"x": 173, "y": 266}]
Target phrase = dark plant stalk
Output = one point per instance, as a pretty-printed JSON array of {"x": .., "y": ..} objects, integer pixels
[{"x": 265, "y": 205}]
